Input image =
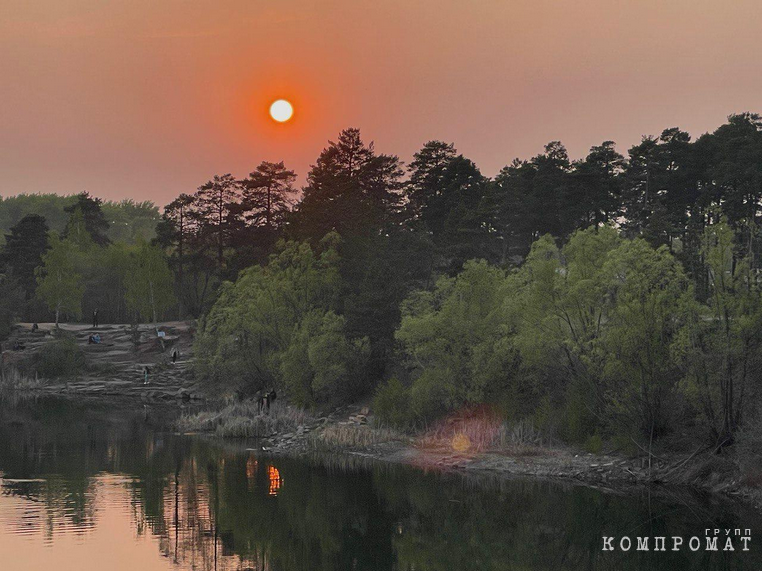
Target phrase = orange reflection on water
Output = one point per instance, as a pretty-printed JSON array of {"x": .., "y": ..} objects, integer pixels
[
  {"x": 275, "y": 480},
  {"x": 251, "y": 471}
]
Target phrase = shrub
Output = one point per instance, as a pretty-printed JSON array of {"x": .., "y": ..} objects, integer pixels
[
  {"x": 60, "y": 358},
  {"x": 429, "y": 396},
  {"x": 594, "y": 444},
  {"x": 748, "y": 451},
  {"x": 392, "y": 403}
]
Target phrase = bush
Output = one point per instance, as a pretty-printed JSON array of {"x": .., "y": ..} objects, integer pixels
[
  {"x": 594, "y": 444},
  {"x": 429, "y": 397},
  {"x": 392, "y": 403},
  {"x": 60, "y": 358},
  {"x": 748, "y": 450}
]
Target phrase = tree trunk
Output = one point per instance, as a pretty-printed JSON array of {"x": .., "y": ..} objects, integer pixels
[
  {"x": 153, "y": 305},
  {"x": 180, "y": 243},
  {"x": 269, "y": 206},
  {"x": 153, "y": 314}
]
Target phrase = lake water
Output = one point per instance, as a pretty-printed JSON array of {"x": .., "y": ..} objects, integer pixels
[{"x": 94, "y": 487}]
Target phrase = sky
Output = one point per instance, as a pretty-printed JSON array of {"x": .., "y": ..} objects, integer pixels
[{"x": 146, "y": 99}]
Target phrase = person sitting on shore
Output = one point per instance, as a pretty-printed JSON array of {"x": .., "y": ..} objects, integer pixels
[
  {"x": 94, "y": 339},
  {"x": 17, "y": 346}
]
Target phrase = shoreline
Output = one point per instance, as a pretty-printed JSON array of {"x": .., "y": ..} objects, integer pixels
[{"x": 694, "y": 473}]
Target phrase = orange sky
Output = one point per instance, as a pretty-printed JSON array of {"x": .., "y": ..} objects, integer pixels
[{"x": 150, "y": 98}]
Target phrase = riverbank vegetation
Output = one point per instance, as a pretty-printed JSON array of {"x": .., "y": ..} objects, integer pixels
[
  {"x": 245, "y": 420},
  {"x": 611, "y": 299}
]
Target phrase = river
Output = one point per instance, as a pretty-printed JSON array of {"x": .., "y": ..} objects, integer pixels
[{"x": 94, "y": 486}]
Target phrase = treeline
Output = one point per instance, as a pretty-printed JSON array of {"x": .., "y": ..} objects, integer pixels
[
  {"x": 128, "y": 220},
  {"x": 79, "y": 266},
  {"x": 610, "y": 293}
]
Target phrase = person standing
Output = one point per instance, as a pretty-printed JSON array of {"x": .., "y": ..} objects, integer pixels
[{"x": 95, "y": 318}]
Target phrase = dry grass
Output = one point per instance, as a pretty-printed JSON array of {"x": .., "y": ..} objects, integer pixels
[
  {"x": 481, "y": 429},
  {"x": 352, "y": 436},
  {"x": 12, "y": 379},
  {"x": 243, "y": 420}
]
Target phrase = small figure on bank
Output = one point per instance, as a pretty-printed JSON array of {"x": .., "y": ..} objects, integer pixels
[
  {"x": 263, "y": 402},
  {"x": 174, "y": 355},
  {"x": 146, "y": 371},
  {"x": 95, "y": 318},
  {"x": 35, "y": 327}
]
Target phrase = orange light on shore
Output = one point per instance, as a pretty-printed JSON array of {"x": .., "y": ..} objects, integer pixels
[{"x": 281, "y": 110}]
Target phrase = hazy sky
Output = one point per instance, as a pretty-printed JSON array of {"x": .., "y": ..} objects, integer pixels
[{"x": 150, "y": 98}]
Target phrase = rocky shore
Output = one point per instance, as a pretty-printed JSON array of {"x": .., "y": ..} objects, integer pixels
[
  {"x": 347, "y": 432},
  {"x": 114, "y": 367},
  {"x": 115, "y": 370}
]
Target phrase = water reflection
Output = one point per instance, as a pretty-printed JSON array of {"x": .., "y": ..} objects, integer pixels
[{"x": 86, "y": 485}]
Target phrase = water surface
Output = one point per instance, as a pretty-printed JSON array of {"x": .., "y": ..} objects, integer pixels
[{"x": 93, "y": 486}]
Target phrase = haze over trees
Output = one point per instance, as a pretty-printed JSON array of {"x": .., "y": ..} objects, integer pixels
[{"x": 611, "y": 294}]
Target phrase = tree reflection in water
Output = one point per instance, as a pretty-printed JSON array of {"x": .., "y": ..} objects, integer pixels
[{"x": 72, "y": 469}]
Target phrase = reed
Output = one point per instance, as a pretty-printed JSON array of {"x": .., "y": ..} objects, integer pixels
[
  {"x": 353, "y": 437},
  {"x": 481, "y": 430},
  {"x": 11, "y": 379},
  {"x": 244, "y": 420}
]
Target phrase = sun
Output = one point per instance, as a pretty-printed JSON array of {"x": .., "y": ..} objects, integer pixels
[{"x": 281, "y": 110}]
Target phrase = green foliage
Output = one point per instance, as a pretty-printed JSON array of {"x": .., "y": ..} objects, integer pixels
[
  {"x": 11, "y": 299},
  {"x": 23, "y": 250},
  {"x": 392, "y": 403},
  {"x": 453, "y": 339},
  {"x": 59, "y": 283},
  {"x": 594, "y": 444},
  {"x": 60, "y": 358},
  {"x": 275, "y": 326},
  {"x": 86, "y": 220},
  {"x": 321, "y": 364},
  {"x": 591, "y": 330},
  {"x": 725, "y": 347},
  {"x": 127, "y": 219},
  {"x": 49, "y": 206},
  {"x": 148, "y": 282},
  {"x": 644, "y": 327},
  {"x": 130, "y": 221}
]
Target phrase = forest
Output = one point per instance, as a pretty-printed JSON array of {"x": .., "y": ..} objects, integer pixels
[{"x": 614, "y": 296}]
